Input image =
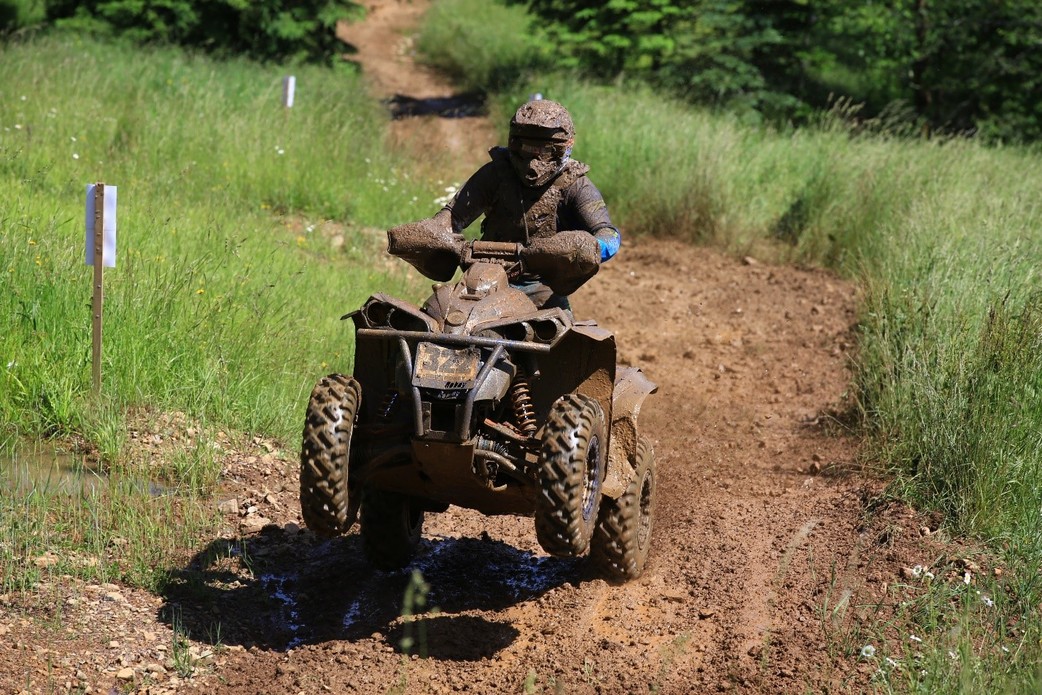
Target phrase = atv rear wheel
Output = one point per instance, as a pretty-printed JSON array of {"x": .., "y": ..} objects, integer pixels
[
  {"x": 325, "y": 453},
  {"x": 391, "y": 527},
  {"x": 622, "y": 539},
  {"x": 571, "y": 470}
]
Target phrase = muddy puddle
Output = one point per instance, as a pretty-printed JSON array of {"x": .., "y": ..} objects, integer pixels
[{"x": 50, "y": 470}]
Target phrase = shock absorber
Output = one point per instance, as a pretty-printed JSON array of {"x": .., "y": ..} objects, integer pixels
[{"x": 521, "y": 395}]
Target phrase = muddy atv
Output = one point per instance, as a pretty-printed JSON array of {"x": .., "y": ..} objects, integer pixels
[{"x": 480, "y": 400}]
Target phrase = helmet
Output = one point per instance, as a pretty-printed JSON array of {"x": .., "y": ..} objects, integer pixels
[
  {"x": 541, "y": 137},
  {"x": 542, "y": 119}
]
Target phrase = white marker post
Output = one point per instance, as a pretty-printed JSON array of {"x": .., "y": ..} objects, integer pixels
[
  {"x": 289, "y": 86},
  {"x": 101, "y": 253}
]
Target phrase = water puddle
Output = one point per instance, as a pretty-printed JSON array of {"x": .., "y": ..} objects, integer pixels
[
  {"x": 277, "y": 587},
  {"x": 50, "y": 470}
]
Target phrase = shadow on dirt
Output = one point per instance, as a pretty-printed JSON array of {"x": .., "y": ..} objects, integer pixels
[
  {"x": 278, "y": 590},
  {"x": 454, "y": 106},
  {"x": 452, "y": 637}
]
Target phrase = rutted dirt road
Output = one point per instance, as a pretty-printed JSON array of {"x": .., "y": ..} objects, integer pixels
[{"x": 764, "y": 559}]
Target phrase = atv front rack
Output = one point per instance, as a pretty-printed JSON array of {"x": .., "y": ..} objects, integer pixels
[{"x": 499, "y": 347}]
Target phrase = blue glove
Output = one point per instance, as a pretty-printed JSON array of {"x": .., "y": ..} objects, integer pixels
[{"x": 609, "y": 247}]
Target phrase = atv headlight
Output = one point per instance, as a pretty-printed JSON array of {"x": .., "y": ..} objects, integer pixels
[{"x": 381, "y": 314}]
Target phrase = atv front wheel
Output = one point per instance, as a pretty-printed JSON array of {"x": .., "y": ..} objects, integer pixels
[
  {"x": 391, "y": 527},
  {"x": 571, "y": 470},
  {"x": 622, "y": 539},
  {"x": 324, "y": 456}
]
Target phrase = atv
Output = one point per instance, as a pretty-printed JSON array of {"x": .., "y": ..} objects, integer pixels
[{"x": 481, "y": 400}]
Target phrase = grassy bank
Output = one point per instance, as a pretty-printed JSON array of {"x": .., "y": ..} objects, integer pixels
[
  {"x": 242, "y": 230},
  {"x": 944, "y": 238},
  {"x": 245, "y": 230}
]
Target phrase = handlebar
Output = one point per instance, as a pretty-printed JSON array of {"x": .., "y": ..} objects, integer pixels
[{"x": 502, "y": 251}]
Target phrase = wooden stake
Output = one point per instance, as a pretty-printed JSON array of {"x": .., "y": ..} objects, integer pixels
[{"x": 99, "y": 281}]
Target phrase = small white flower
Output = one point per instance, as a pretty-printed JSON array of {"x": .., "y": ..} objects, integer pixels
[
  {"x": 12, "y": 364},
  {"x": 367, "y": 161},
  {"x": 17, "y": 126},
  {"x": 892, "y": 663},
  {"x": 281, "y": 151},
  {"x": 23, "y": 97},
  {"x": 952, "y": 655},
  {"x": 987, "y": 601},
  {"x": 73, "y": 138},
  {"x": 75, "y": 156},
  {"x": 927, "y": 575},
  {"x": 917, "y": 571},
  {"x": 1006, "y": 649},
  {"x": 310, "y": 228},
  {"x": 966, "y": 578},
  {"x": 868, "y": 651},
  {"x": 915, "y": 639}
]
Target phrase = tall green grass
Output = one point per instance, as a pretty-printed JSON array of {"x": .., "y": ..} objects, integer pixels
[
  {"x": 245, "y": 231},
  {"x": 945, "y": 239}
]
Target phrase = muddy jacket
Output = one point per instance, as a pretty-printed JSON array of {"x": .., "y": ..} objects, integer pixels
[{"x": 514, "y": 212}]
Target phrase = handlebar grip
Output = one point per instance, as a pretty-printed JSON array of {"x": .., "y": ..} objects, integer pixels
[{"x": 496, "y": 249}]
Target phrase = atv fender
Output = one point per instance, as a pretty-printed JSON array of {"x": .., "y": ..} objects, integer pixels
[{"x": 631, "y": 388}]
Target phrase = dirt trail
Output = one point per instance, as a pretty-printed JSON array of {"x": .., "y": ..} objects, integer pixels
[{"x": 762, "y": 562}]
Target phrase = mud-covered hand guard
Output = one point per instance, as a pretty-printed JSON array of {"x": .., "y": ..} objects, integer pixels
[
  {"x": 564, "y": 261},
  {"x": 429, "y": 246}
]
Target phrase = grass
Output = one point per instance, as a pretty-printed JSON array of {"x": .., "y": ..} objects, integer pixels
[{"x": 245, "y": 230}]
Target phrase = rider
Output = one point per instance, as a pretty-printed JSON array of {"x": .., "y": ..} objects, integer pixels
[{"x": 534, "y": 193}]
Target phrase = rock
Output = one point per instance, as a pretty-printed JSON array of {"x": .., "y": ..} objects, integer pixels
[
  {"x": 706, "y": 613},
  {"x": 228, "y": 506},
  {"x": 253, "y": 524},
  {"x": 125, "y": 674}
]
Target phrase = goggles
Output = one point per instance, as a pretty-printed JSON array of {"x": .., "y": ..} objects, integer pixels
[{"x": 545, "y": 150}]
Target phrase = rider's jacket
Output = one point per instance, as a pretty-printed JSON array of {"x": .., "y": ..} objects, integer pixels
[{"x": 514, "y": 212}]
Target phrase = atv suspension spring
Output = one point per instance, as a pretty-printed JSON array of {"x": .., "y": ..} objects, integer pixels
[
  {"x": 521, "y": 394},
  {"x": 388, "y": 405}
]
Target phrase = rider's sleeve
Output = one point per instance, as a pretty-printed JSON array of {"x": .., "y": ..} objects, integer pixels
[
  {"x": 591, "y": 214},
  {"x": 473, "y": 199}
]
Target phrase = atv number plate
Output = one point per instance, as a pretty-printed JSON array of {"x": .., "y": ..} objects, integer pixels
[{"x": 440, "y": 367}]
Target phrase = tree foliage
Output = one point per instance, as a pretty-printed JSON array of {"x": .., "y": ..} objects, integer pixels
[
  {"x": 958, "y": 65},
  {"x": 286, "y": 30}
]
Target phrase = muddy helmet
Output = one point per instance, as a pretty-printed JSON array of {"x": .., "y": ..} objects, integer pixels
[{"x": 541, "y": 137}]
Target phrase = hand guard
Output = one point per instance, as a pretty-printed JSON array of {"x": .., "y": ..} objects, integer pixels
[
  {"x": 429, "y": 246},
  {"x": 563, "y": 261}
]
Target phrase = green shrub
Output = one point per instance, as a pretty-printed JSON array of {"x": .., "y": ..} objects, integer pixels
[
  {"x": 302, "y": 30},
  {"x": 19, "y": 14}
]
